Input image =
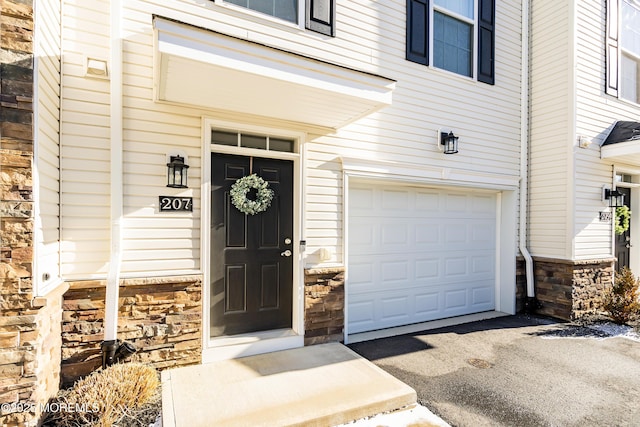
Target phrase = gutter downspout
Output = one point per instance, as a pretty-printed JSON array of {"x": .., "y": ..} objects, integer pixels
[
  {"x": 110, "y": 344},
  {"x": 531, "y": 303}
]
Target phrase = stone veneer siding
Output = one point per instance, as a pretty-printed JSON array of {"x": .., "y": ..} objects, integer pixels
[
  {"x": 29, "y": 326},
  {"x": 161, "y": 317},
  {"x": 323, "y": 305},
  {"x": 571, "y": 290}
]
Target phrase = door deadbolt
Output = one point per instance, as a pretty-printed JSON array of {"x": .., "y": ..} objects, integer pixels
[{"x": 287, "y": 241}]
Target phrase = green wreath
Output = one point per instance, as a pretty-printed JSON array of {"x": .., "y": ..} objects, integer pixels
[
  {"x": 623, "y": 215},
  {"x": 242, "y": 186}
]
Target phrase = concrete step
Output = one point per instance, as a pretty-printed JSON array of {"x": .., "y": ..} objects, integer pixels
[{"x": 320, "y": 385}]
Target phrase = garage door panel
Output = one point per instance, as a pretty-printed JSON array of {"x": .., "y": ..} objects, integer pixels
[
  {"x": 362, "y": 274},
  {"x": 362, "y": 235},
  {"x": 394, "y": 200},
  {"x": 455, "y": 299},
  {"x": 361, "y": 199},
  {"x": 395, "y": 309},
  {"x": 427, "y": 234},
  {"x": 393, "y": 272},
  {"x": 483, "y": 205},
  {"x": 394, "y": 234},
  {"x": 427, "y": 304},
  {"x": 427, "y": 201},
  {"x": 427, "y": 268},
  {"x": 482, "y": 296},
  {"x": 361, "y": 314},
  {"x": 418, "y": 254}
]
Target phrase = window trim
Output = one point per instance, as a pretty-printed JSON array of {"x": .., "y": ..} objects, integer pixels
[
  {"x": 433, "y": 7},
  {"x": 257, "y": 14},
  {"x": 304, "y": 20},
  {"x": 419, "y": 37},
  {"x": 635, "y": 57}
]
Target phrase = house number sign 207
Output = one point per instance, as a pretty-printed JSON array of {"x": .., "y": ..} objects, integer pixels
[{"x": 171, "y": 203}]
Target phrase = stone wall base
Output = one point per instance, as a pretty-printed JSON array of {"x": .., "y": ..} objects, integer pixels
[
  {"x": 569, "y": 290},
  {"x": 161, "y": 317},
  {"x": 323, "y": 305},
  {"x": 29, "y": 354}
]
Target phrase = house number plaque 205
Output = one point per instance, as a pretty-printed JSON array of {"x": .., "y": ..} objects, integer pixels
[{"x": 171, "y": 203}]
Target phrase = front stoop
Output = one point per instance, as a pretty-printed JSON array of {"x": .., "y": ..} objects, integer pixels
[{"x": 320, "y": 385}]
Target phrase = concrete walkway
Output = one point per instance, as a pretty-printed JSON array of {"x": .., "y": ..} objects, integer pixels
[{"x": 321, "y": 385}]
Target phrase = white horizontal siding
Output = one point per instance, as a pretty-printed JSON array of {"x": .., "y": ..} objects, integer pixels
[
  {"x": 47, "y": 234},
  {"x": 85, "y": 136},
  {"x": 550, "y": 187},
  {"x": 371, "y": 38},
  {"x": 595, "y": 114}
]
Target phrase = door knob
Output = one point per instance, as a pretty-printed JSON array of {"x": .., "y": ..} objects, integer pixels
[{"x": 286, "y": 253}]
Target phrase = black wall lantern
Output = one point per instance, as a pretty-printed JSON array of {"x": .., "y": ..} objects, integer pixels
[
  {"x": 177, "y": 172},
  {"x": 450, "y": 142},
  {"x": 615, "y": 198}
]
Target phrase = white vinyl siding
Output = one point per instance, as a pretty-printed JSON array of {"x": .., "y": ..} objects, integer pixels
[
  {"x": 47, "y": 235},
  {"x": 551, "y": 159},
  {"x": 595, "y": 114},
  {"x": 85, "y": 143},
  {"x": 371, "y": 38}
]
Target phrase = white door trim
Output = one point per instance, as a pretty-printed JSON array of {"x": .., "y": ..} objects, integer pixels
[{"x": 262, "y": 342}]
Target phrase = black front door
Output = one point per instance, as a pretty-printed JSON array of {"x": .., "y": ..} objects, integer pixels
[
  {"x": 251, "y": 262},
  {"x": 623, "y": 241}
]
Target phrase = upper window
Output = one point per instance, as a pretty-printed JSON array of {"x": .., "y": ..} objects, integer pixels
[
  {"x": 319, "y": 14},
  {"x": 283, "y": 9},
  {"x": 630, "y": 43},
  {"x": 454, "y": 35},
  {"x": 623, "y": 49}
]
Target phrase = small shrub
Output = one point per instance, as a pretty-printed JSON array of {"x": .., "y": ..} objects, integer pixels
[
  {"x": 116, "y": 395},
  {"x": 621, "y": 302}
]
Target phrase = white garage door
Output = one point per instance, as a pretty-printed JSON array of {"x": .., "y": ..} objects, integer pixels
[{"x": 418, "y": 254}]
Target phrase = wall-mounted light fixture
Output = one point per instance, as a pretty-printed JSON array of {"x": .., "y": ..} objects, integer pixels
[
  {"x": 449, "y": 142},
  {"x": 177, "y": 172},
  {"x": 615, "y": 198}
]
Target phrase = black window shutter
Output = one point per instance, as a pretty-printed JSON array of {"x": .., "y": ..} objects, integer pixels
[
  {"x": 321, "y": 16},
  {"x": 611, "y": 49},
  {"x": 486, "y": 41},
  {"x": 418, "y": 31}
]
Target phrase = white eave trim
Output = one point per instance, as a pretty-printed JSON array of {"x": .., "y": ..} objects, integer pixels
[
  {"x": 428, "y": 175},
  {"x": 199, "y": 67},
  {"x": 626, "y": 152}
]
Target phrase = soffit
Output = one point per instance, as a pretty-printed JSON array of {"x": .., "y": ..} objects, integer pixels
[
  {"x": 623, "y": 143},
  {"x": 203, "y": 68}
]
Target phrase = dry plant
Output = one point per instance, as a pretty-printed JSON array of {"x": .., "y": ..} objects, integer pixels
[
  {"x": 117, "y": 395},
  {"x": 621, "y": 302}
]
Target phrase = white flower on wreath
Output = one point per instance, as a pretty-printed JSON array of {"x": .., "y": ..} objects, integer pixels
[{"x": 242, "y": 186}]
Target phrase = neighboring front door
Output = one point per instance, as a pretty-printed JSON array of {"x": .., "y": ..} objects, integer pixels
[
  {"x": 623, "y": 241},
  {"x": 251, "y": 262}
]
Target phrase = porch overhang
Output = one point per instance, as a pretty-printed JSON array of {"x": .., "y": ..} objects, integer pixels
[
  {"x": 203, "y": 68},
  {"x": 623, "y": 143}
]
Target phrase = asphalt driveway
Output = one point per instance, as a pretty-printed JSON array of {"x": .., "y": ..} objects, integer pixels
[{"x": 517, "y": 371}]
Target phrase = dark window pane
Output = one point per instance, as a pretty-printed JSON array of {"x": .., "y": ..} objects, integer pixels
[
  {"x": 283, "y": 9},
  {"x": 452, "y": 44},
  {"x": 276, "y": 144},
  {"x": 242, "y": 3},
  {"x": 224, "y": 138},
  {"x": 287, "y": 10},
  {"x": 264, "y": 6},
  {"x": 253, "y": 141}
]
